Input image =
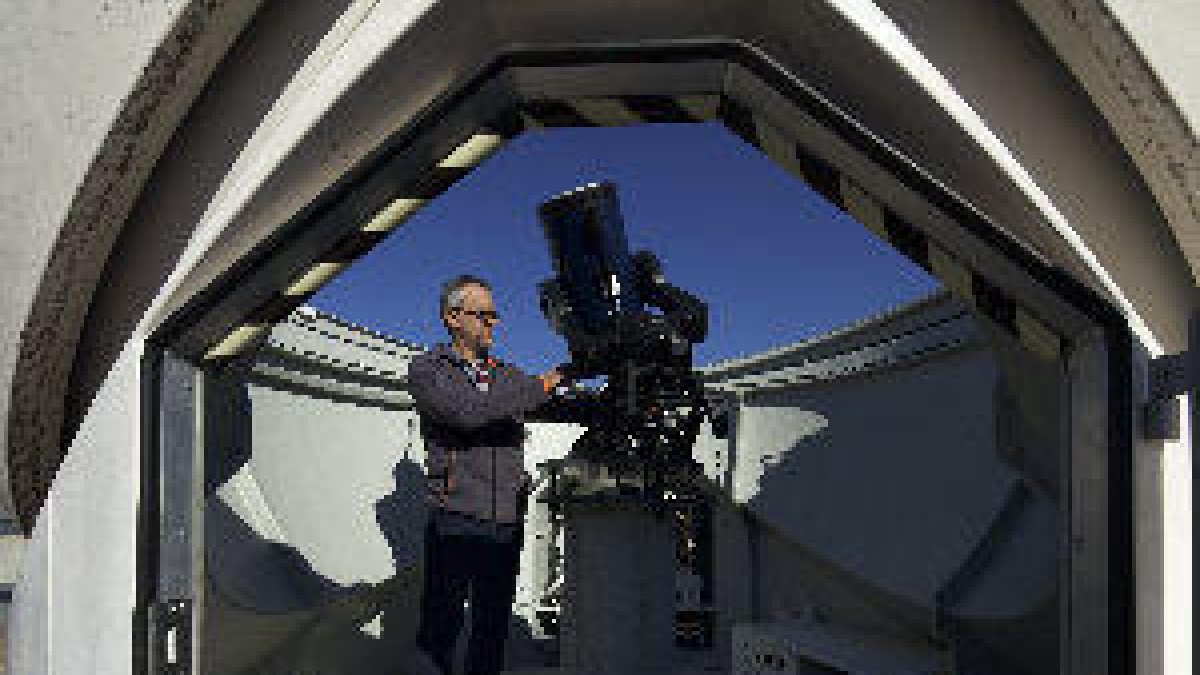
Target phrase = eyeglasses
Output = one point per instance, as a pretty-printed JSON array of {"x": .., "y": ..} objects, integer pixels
[{"x": 480, "y": 314}]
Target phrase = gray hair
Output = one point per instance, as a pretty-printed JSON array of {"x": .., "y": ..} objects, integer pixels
[{"x": 453, "y": 293}]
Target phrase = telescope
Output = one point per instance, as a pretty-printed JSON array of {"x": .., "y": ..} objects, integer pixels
[{"x": 602, "y": 301}]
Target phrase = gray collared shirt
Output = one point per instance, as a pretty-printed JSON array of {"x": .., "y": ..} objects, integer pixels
[{"x": 511, "y": 395}]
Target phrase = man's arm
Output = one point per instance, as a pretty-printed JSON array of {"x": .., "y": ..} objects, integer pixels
[
  {"x": 584, "y": 408},
  {"x": 456, "y": 402}
]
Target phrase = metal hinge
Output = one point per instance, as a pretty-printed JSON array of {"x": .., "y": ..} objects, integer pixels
[
  {"x": 171, "y": 637},
  {"x": 1171, "y": 375}
]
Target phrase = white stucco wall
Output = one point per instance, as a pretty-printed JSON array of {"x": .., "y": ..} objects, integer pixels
[
  {"x": 906, "y": 460},
  {"x": 322, "y": 466},
  {"x": 29, "y": 619},
  {"x": 67, "y": 70},
  {"x": 82, "y": 553},
  {"x": 1165, "y": 33},
  {"x": 72, "y": 74}
]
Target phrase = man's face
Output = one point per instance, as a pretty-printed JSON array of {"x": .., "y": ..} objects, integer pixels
[{"x": 472, "y": 320}]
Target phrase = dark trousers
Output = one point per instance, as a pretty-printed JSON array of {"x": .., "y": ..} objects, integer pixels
[{"x": 487, "y": 569}]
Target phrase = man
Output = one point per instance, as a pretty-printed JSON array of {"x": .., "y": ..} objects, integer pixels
[{"x": 471, "y": 407}]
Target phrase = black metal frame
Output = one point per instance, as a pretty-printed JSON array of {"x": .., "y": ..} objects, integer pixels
[
  {"x": 351, "y": 189},
  {"x": 166, "y": 596},
  {"x": 147, "y": 562},
  {"x": 1170, "y": 376}
]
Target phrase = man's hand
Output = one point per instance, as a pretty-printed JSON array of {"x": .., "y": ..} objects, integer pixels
[{"x": 551, "y": 379}]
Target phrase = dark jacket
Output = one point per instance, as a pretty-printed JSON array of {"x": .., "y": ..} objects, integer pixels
[{"x": 474, "y": 454}]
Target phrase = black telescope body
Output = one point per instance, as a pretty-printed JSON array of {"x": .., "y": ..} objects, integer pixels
[
  {"x": 590, "y": 253},
  {"x": 642, "y": 427},
  {"x": 600, "y": 300},
  {"x": 600, "y": 297}
]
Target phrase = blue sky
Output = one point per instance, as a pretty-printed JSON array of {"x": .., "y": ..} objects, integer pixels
[{"x": 773, "y": 260}]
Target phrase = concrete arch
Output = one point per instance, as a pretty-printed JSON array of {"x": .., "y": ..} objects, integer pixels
[
  {"x": 191, "y": 37},
  {"x": 337, "y": 106}
]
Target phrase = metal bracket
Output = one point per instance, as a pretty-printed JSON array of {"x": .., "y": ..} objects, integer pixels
[
  {"x": 720, "y": 414},
  {"x": 1171, "y": 375},
  {"x": 172, "y": 637}
]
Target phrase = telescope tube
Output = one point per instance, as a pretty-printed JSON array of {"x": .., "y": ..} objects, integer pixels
[{"x": 591, "y": 256}]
